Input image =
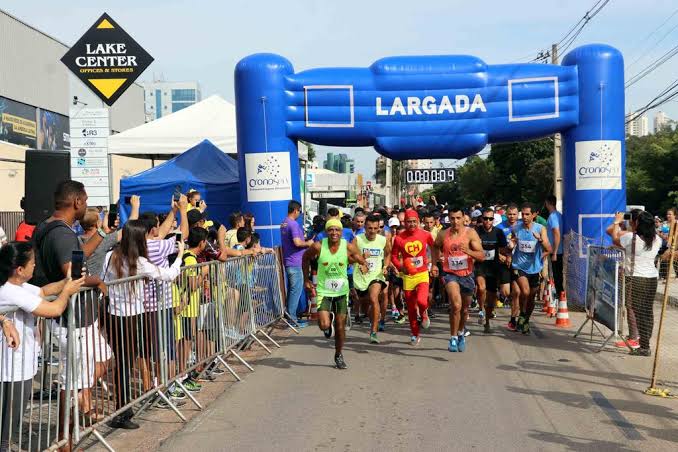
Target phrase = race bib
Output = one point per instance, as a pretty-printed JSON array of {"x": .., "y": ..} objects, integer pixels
[
  {"x": 489, "y": 255},
  {"x": 334, "y": 285},
  {"x": 417, "y": 261},
  {"x": 457, "y": 262},
  {"x": 371, "y": 265},
  {"x": 527, "y": 246}
]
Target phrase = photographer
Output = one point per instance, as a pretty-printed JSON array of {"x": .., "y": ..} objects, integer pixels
[{"x": 641, "y": 244}]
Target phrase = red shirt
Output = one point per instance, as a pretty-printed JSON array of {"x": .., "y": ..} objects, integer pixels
[
  {"x": 412, "y": 246},
  {"x": 24, "y": 233}
]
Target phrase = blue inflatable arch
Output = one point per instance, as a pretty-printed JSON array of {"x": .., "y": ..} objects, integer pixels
[{"x": 434, "y": 107}]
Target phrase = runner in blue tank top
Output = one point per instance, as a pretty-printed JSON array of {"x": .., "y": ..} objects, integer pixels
[{"x": 530, "y": 245}]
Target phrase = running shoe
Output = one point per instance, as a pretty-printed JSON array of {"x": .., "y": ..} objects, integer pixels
[
  {"x": 192, "y": 385},
  {"x": 425, "y": 322},
  {"x": 373, "y": 338},
  {"x": 511, "y": 325},
  {"x": 499, "y": 304},
  {"x": 494, "y": 315},
  {"x": 400, "y": 320},
  {"x": 481, "y": 317},
  {"x": 633, "y": 343},
  {"x": 382, "y": 325},
  {"x": 207, "y": 376},
  {"x": 176, "y": 393},
  {"x": 520, "y": 324},
  {"x": 415, "y": 340},
  {"x": 640, "y": 352},
  {"x": 339, "y": 362},
  {"x": 526, "y": 328},
  {"x": 176, "y": 402},
  {"x": 461, "y": 343},
  {"x": 431, "y": 315},
  {"x": 453, "y": 346},
  {"x": 487, "y": 329},
  {"x": 328, "y": 332},
  {"x": 466, "y": 332}
]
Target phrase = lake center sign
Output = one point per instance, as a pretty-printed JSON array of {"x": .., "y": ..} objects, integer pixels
[{"x": 107, "y": 59}]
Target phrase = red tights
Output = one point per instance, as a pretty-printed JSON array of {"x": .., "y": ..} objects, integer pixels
[{"x": 414, "y": 298}]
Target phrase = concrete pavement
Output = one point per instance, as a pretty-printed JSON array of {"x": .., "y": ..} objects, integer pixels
[{"x": 547, "y": 391}]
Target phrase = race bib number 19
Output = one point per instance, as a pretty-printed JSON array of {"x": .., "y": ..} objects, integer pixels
[
  {"x": 334, "y": 285},
  {"x": 417, "y": 261}
]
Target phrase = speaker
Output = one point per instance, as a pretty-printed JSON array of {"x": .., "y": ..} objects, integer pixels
[{"x": 44, "y": 170}]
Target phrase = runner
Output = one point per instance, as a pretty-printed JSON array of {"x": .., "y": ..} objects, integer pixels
[
  {"x": 531, "y": 244},
  {"x": 460, "y": 247},
  {"x": 487, "y": 273},
  {"x": 409, "y": 257},
  {"x": 377, "y": 252},
  {"x": 505, "y": 260},
  {"x": 334, "y": 255}
]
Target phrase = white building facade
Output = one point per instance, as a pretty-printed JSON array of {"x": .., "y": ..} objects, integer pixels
[
  {"x": 163, "y": 98},
  {"x": 638, "y": 127}
]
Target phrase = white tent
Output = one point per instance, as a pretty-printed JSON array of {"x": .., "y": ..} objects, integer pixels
[{"x": 212, "y": 119}]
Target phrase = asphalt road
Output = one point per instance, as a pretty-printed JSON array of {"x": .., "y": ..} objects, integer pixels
[{"x": 547, "y": 391}]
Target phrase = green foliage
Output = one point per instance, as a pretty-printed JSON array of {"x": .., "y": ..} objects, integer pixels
[{"x": 651, "y": 176}]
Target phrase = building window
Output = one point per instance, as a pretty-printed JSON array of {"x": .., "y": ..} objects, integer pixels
[
  {"x": 183, "y": 95},
  {"x": 176, "y": 106},
  {"x": 158, "y": 104}
]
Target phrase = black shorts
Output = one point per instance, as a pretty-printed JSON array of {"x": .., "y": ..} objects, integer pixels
[
  {"x": 532, "y": 279},
  {"x": 504, "y": 275},
  {"x": 394, "y": 279},
  {"x": 366, "y": 292},
  {"x": 489, "y": 271}
]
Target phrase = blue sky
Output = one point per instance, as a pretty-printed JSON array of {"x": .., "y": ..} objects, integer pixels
[{"x": 203, "y": 40}]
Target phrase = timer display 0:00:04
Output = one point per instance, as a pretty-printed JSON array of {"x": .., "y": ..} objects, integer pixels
[{"x": 429, "y": 176}]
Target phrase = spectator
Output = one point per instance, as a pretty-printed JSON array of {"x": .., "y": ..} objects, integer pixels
[
  {"x": 236, "y": 220},
  {"x": 554, "y": 230},
  {"x": 24, "y": 232},
  {"x": 54, "y": 242},
  {"x": 641, "y": 245},
  {"x": 249, "y": 221},
  {"x": 243, "y": 236},
  {"x": 126, "y": 306},
  {"x": 293, "y": 246},
  {"x": 20, "y": 362}
]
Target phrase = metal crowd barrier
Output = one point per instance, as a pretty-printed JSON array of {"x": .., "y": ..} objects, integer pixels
[{"x": 122, "y": 354}]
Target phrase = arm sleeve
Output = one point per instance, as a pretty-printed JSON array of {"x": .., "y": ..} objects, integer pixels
[
  {"x": 395, "y": 251},
  {"x": 296, "y": 231},
  {"x": 31, "y": 297}
]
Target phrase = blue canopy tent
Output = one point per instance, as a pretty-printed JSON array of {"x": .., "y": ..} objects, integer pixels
[{"x": 203, "y": 167}]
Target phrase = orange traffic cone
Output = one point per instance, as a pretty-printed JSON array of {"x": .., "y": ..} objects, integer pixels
[
  {"x": 314, "y": 297},
  {"x": 552, "y": 307},
  {"x": 563, "y": 317}
]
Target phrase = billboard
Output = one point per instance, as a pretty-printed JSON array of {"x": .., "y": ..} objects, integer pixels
[
  {"x": 17, "y": 123},
  {"x": 53, "y": 131}
]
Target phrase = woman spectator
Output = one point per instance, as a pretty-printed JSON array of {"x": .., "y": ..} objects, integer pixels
[
  {"x": 126, "y": 306},
  {"x": 20, "y": 358},
  {"x": 641, "y": 245}
]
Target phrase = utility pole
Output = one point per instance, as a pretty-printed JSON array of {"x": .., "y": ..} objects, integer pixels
[
  {"x": 557, "y": 152},
  {"x": 389, "y": 181}
]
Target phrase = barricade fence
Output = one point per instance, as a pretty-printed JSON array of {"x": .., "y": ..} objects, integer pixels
[
  {"x": 9, "y": 221},
  {"x": 146, "y": 343}
]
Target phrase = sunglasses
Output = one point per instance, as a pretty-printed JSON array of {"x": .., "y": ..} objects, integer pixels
[{"x": 488, "y": 218}]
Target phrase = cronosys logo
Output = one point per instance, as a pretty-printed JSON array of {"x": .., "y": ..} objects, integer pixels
[
  {"x": 269, "y": 174},
  {"x": 600, "y": 162}
]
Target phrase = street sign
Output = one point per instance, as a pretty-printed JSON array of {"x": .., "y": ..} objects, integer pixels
[
  {"x": 328, "y": 195},
  {"x": 89, "y": 152},
  {"x": 107, "y": 59},
  {"x": 429, "y": 176}
]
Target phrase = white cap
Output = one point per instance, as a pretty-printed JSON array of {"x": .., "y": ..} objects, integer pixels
[
  {"x": 476, "y": 213},
  {"x": 393, "y": 221}
]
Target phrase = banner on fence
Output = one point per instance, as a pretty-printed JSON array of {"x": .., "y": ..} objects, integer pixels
[{"x": 602, "y": 286}]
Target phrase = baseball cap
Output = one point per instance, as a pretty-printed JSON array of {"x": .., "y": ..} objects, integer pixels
[
  {"x": 393, "y": 221},
  {"x": 194, "y": 216},
  {"x": 476, "y": 213}
]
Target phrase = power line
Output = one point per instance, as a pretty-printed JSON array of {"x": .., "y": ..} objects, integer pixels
[
  {"x": 644, "y": 53},
  {"x": 666, "y": 95},
  {"x": 566, "y": 42},
  {"x": 651, "y": 67}
]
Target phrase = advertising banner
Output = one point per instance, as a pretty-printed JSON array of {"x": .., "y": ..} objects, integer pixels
[
  {"x": 107, "y": 59},
  {"x": 53, "y": 131},
  {"x": 269, "y": 177},
  {"x": 17, "y": 123},
  {"x": 602, "y": 287}
]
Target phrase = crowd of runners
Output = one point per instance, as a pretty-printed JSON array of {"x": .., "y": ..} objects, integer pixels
[{"x": 402, "y": 262}]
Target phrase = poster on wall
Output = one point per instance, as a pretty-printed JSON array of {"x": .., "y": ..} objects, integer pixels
[
  {"x": 17, "y": 123},
  {"x": 53, "y": 131},
  {"x": 601, "y": 287}
]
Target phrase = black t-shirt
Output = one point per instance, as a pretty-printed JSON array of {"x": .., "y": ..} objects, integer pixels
[
  {"x": 54, "y": 245},
  {"x": 492, "y": 241}
]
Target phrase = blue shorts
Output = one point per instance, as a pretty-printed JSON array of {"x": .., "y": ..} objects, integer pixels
[{"x": 466, "y": 283}]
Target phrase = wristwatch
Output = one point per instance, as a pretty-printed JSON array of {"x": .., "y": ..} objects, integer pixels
[{"x": 101, "y": 233}]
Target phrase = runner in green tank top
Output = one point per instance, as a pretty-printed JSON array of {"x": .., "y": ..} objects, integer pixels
[
  {"x": 376, "y": 249},
  {"x": 334, "y": 256}
]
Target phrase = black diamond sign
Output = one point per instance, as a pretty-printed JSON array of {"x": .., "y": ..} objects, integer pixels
[{"x": 107, "y": 59}]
